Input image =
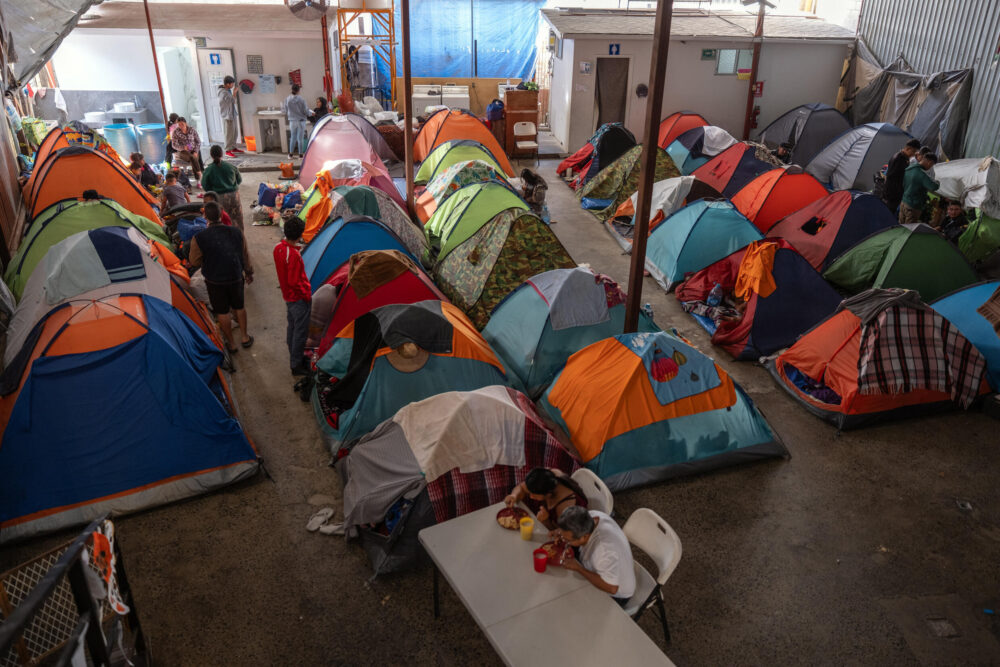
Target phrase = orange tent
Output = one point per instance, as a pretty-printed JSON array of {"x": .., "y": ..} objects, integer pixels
[
  {"x": 68, "y": 172},
  {"x": 677, "y": 124},
  {"x": 771, "y": 196},
  {"x": 457, "y": 124},
  {"x": 52, "y": 142}
]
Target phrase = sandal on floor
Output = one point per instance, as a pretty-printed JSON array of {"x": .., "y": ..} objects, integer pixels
[
  {"x": 318, "y": 519},
  {"x": 233, "y": 350},
  {"x": 247, "y": 343}
]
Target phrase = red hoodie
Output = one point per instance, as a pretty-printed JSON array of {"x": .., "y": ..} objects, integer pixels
[{"x": 291, "y": 272}]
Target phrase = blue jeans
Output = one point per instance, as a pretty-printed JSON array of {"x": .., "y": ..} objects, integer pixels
[
  {"x": 297, "y": 144},
  {"x": 297, "y": 332}
]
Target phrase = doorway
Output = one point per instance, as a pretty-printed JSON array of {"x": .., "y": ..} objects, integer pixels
[
  {"x": 215, "y": 65},
  {"x": 612, "y": 90}
]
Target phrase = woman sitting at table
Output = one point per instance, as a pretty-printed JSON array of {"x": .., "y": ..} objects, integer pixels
[{"x": 552, "y": 490}]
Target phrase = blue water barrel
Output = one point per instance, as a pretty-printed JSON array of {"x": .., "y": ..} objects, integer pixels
[
  {"x": 151, "y": 142},
  {"x": 121, "y": 136}
]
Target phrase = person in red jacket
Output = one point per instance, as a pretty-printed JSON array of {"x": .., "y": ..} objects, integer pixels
[{"x": 296, "y": 291}]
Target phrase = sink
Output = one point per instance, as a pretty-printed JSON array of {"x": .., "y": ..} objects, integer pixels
[{"x": 265, "y": 112}]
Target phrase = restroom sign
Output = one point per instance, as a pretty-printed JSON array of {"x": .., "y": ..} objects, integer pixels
[
  {"x": 614, "y": 49},
  {"x": 214, "y": 58}
]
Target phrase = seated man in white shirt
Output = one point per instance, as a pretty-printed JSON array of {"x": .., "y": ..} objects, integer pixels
[{"x": 605, "y": 554}]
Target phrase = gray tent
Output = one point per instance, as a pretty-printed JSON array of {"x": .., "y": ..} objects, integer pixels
[
  {"x": 851, "y": 161},
  {"x": 808, "y": 128}
]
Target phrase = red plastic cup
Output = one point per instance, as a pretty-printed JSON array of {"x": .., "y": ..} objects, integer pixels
[{"x": 541, "y": 560}]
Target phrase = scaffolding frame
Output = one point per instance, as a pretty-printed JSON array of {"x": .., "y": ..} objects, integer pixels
[{"x": 383, "y": 45}]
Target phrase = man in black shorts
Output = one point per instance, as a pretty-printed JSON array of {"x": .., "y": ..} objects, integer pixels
[{"x": 221, "y": 252}]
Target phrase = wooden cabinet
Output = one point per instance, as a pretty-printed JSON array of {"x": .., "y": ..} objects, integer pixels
[{"x": 520, "y": 106}]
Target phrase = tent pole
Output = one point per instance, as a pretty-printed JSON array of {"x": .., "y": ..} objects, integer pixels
[
  {"x": 757, "y": 38},
  {"x": 407, "y": 102},
  {"x": 657, "y": 82},
  {"x": 156, "y": 63}
]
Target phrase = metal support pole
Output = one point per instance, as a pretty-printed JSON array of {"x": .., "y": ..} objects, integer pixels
[
  {"x": 327, "y": 76},
  {"x": 654, "y": 106},
  {"x": 156, "y": 63},
  {"x": 407, "y": 102},
  {"x": 757, "y": 37}
]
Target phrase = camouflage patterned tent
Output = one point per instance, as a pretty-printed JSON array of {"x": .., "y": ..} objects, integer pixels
[
  {"x": 509, "y": 249},
  {"x": 620, "y": 179}
]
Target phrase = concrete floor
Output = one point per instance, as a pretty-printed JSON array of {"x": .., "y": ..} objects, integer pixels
[{"x": 839, "y": 555}]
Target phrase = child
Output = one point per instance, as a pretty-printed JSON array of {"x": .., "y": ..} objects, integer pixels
[
  {"x": 136, "y": 170},
  {"x": 296, "y": 291},
  {"x": 147, "y": 177},
  {"x": 174, "y": 194},
  {"x": 211, "y": 195}
]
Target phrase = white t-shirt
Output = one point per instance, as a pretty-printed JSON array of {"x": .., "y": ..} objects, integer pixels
[{"x": 608, "y": 553}]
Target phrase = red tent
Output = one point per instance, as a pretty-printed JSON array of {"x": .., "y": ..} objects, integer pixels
[
  {"x": 731, "y": 169},
  {"x": 770, "y": 197},
  {"x": 677, "y": 124}
]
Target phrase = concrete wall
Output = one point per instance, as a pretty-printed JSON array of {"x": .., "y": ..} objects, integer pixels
[{"x": 793, "y": 74}]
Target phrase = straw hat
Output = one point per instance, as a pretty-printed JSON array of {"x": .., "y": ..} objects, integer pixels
[{"x": 408, "y": 358}]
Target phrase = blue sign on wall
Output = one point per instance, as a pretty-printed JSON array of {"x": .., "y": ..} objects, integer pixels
[
  {"x": 614, "y": 49},
  {"x": 214, "y": 58}
]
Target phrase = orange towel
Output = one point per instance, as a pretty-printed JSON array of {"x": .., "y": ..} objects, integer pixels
[
  {"x": 321, "y": 211},
  {"x": 756, "y": 269}
]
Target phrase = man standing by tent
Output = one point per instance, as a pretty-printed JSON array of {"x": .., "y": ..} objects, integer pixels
[
  {"x": 894, "y": 174},
  {"x": 227, "y": 109},
  {"x": 298, "y": 113},
  {"x": 916, "y": 185}
]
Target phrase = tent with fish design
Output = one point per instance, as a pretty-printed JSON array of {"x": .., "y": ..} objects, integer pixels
[
  {"x": 415, "y": 469},
  {"x": 851, "y": 161},
  {"x": 975, "y": 311},
  {"x": 343, "y": 237},
  {"x": 912, "y": 256},
  {"x": 348, "y": 201},
  {"x": 465, "y": 212},
  {"x": 65, "y": 218},
  {"x": 395, "y": 355},
  {"x": 550, "y": 317},
  {"x": 826, "y": 228},
  {"x": 69, "y": 172},
  {"x": 884, "y": 354},
  {"x": 645, "y": 407},
  {"x": 452, "y": 152},
  {"x": 450, "y": 181},
  {"x": 771, "y": 196},
  {"x": 694, "y": 237},
  {"x": 372, "y": 279},
  {"x": 117, "y": 406},
  {"x": 677, "y": 124},
  {"x": 697, "y": 146},
  {"x": 609, "y": 143},
  {"x": 613, "y": 185},
  {"x": 102, "y": 262},
  {"x": 770, "y": 295},
  {"x": 495, "y": 259},
  {"x": 457, "y": 124},
  {"x": 808, "y": 128},
  {"x": 732, "y": 169}
]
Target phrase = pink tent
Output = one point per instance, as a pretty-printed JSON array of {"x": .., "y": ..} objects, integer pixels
[{"x": 337, "y": 139}]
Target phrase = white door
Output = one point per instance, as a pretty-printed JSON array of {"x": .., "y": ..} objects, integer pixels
[{"x": 214, "y": 65}]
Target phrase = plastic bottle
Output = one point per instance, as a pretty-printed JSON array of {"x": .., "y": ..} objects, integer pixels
[{"x": 715, "y": 296}]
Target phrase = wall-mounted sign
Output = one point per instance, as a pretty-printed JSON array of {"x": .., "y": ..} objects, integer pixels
[
  {"x": 200, "y": 42},
  {"x": 758, "y": 89},
  {"x": 614, "y": 49},
  {"x": 708, "y": 54},
  {"x": 255, "y": 64},
  {"x": 214, "y": 58},
  {"x": 584, "y": 67}
]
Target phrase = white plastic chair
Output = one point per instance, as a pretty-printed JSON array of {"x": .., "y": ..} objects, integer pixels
[
  {"x": 654, "y": 537},
  {"x": 526, "y": 129},
  {"x": 598, "y": 495}
]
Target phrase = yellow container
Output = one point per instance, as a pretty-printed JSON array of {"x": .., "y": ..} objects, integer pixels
[{"x": 527, "y": 528}]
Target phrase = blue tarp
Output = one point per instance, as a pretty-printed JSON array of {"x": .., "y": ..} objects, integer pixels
[{"x": 504, "y": 32}]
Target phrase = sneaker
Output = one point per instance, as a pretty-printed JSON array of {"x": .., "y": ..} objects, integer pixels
[
  {"x": 230, "y": 154},
  {"x": 291, "y": 156},
  {"x": 300, "y": 370}
]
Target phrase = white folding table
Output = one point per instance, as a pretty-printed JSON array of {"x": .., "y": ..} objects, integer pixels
[{"x": 531, "y": 618}]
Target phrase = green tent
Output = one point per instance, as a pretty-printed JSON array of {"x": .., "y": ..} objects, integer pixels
[
  {"x": 620, "y": 179},
  {"x": 65, "y": 218},
  {"x": 452, "y": 152},
  {"x": 911, "y": 256},
  {"x": 495, "y": 259},
  {"x": 463, "y": 213},
  {"x": 981, "y": 239}
]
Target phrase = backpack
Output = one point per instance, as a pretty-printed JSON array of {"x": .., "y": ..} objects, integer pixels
[{"x": 266, "y": 196}]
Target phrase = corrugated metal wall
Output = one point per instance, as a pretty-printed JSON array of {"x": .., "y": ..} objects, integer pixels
[{"x": 938, "y": 35}]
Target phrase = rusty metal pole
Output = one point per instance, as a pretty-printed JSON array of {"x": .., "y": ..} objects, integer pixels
[
  {"x": 327, "y": 76},
  {"x": 657, "y": 82},
  {"x": 407, "y": 102},
  {"x": 156, "y": 62},
  {"x": 757, "y": 37}
]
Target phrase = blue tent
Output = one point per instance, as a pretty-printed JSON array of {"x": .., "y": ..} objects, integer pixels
[
  {"x": 370, "y": 384},
  {"x": 961, "y": 309},
  {"x": 697, "y": 146},
  {"x": 340, "y": 239},
  {"x": 699, "y": 234},
  {"x": 539, "y": 325},
  {"x": 110, "y": 410}
]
